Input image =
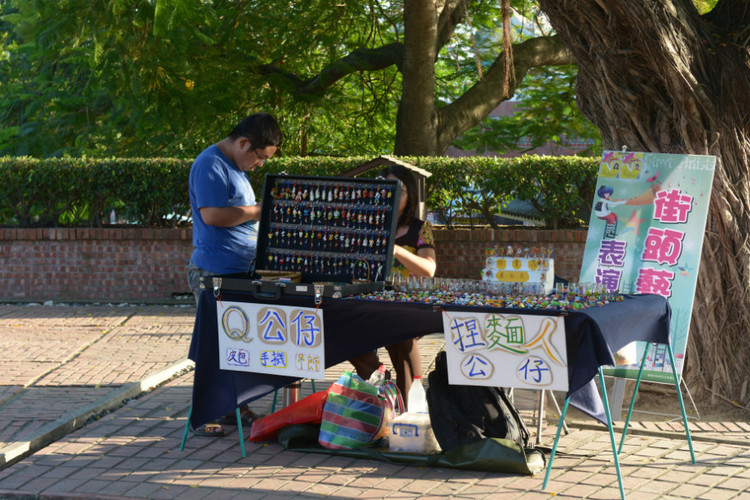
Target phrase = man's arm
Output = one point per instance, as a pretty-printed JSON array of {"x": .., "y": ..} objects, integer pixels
[{"x": 229, "y": 216}]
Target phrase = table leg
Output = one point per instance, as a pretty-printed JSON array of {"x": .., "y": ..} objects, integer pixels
[
  {"x": 187, "y": 427},
  {"x": 557, "y": 407},
  {"x": 238, "y": 415},
  {"x": 557, "y": 438},
  {"x": 539, "y": 417}
]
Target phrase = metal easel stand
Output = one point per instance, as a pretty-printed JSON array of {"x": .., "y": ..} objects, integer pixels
[
  {"x": 615, "y": 450},
  {"x": 239, "y": 430},
  {"x": 679, "y": 398},
  {"x": 684, "y": 386},
  {"x": 617, "y": 395}
]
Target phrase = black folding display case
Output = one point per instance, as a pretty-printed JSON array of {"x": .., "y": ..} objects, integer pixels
[{"x": 331, "y": 237}]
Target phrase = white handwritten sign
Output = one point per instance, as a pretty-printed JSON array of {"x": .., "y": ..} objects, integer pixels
[
  {"x": 263, "y": 338},
  {"x": 506, "y": 350}
]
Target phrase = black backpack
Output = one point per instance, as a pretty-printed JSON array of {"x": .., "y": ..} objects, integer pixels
[{"x": 464, "y": 414}]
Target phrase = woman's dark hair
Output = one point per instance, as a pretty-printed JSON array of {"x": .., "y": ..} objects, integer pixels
[
  {"x": 410, "y": 183},
  {"x": 262, "y": 130}
]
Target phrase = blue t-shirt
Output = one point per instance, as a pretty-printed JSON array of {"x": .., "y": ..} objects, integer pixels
[{"x": 215, "y": 181}]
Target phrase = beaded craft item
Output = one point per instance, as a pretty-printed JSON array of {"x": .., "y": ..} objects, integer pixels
[{"x": 328, "y": 228}]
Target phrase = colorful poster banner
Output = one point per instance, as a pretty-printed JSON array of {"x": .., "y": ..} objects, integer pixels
[
  {"x": 645, "y": 236},
  {"x": 274, "y": 339},
  {"x": 524, "y": 351}
]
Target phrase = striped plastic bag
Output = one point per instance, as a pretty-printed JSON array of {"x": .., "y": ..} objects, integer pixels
[
  {"x": 352, "y": 414},
  {"x": 391, "y": 396}
]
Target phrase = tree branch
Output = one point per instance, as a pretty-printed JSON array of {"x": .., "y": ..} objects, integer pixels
[
  {"x": 363, "y": 59},
  {"x": 469, "y": 109},
  {"x": 358, "y": 60},
  {"x": 452, "y": 15}
]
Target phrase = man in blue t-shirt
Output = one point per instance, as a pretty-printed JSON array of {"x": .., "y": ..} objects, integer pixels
[{"x": 225, "y": 212}]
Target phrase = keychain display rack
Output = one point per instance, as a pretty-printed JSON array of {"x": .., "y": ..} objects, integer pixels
[{"x": 330, "y": 229}]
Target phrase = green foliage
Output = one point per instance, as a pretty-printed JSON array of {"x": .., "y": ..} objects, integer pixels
[
  {"x": 168, "y": 77},
  {"x": 165, "y": 78},
  {"x": 561, "y": 189},
  {"x": 564, "y": 191},
  {"x": 83, "y": 192},
  {"x": 80, "y": 192}
]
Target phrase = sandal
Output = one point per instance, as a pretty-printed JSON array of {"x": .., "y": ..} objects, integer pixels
[
  {"x": 247, "y": 417},
  {"x": 211, "y": 429}
]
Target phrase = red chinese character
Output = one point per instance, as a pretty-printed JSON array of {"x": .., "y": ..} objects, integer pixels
[
  {"x": 663, "y": 246},
  {"x": 671, "y": 207},
  {"x": 655, "y": 281}
]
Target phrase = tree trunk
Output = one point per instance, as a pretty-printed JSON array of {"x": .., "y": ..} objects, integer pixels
[
  {"x": 422, "y": 128},
  {"x": 416, "y": 114},
  {"x": 656, "y": 76}
]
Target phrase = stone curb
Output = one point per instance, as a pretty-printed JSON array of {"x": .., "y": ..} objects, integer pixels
[{"x": 70, "y": 422}]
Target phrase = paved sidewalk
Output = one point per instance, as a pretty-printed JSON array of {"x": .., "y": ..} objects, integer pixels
[
  {"x": 60, "y": 362},
  {"x": 69, "y": 389}
]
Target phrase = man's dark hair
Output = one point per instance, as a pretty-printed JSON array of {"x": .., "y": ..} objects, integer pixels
[
  {"x": 262, "y": 130},
  {"x": 410, "y": 184}
]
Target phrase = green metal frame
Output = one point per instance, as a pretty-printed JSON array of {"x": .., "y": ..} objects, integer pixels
[
  {"x": 615, "y": 450},
  {"x": 239, "y": 422},
  {"x": 239, "y": 430}
]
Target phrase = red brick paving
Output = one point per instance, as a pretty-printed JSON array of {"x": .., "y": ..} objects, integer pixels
[{"x": 71, "y": 355}]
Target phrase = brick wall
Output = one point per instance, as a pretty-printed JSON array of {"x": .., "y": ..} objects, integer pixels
[
  {"x": 149, "y": 265},
  {"x": 461, "y": 253},
  {"x": 108, "y": 265}
]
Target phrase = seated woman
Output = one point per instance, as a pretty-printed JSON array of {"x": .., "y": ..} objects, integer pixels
[{"x": 414, "y": 255}]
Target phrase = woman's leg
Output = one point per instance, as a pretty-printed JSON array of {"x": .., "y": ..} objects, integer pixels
[
  {"x": 366, "y": 364},
  {"x": 407, "y": 363}
]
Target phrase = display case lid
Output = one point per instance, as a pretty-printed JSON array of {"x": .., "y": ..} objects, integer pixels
[{"x": 330, "y": 229}]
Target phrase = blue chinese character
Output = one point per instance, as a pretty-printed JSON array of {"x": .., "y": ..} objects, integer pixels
[
  {"x": 275, "y": 330},
  {"x": 306, "y": 331},
  {"x": 466, "y": 334},
  {"x": 533, "y": 370},
  {"x": 477, "y": 367}
]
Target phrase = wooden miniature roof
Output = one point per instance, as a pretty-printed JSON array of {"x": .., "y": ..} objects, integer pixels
[
  {"x": 382, "y": 161},
  {"x": 419, "y": 176}
]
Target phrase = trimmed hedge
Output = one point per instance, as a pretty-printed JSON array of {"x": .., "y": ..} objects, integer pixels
[
  {"x": 83, "y": 192},
  {"x": 152, "y": 192}
]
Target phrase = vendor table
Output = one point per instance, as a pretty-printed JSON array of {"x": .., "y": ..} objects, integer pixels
[{"x": 354, "y": 327}]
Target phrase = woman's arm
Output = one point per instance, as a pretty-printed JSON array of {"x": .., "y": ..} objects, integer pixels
[{"x": 423, "y": 263}]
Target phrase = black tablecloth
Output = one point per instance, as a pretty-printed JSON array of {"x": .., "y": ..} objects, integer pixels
[{"x": 354, "y": 327}]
